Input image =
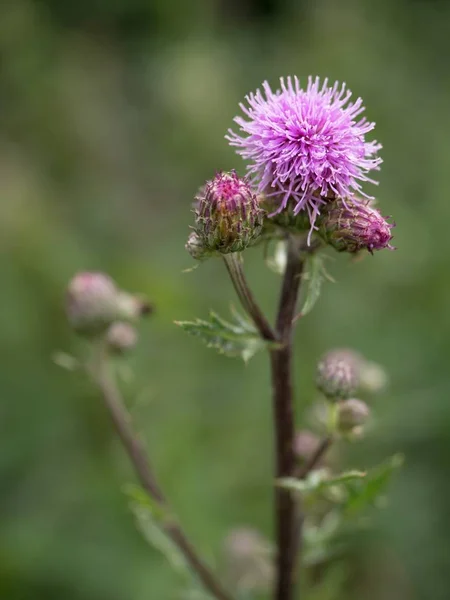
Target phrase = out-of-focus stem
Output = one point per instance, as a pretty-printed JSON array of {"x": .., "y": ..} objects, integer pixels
[{"x": 137, "y": 454}]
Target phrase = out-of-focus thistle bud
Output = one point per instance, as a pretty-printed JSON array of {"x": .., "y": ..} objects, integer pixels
[
  {"x": 228, "y": 217},
  {"x": 249, "y": 565},
  {"x": 121, "y": 337},
  {"x": 94, "y": 302},
  {"x": 196, "y": 248},
  {"x": 338, "y": 374},
  {"x": 131, "y": 307},
  {"x": 305, "y": 445},
  {"x": 372, "y": 378},
  {"x": 351, "y": 226},
  {"x": 91, "y": 302},
  {"x": 352, "y": 414}
]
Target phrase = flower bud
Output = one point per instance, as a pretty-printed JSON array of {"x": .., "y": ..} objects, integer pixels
[
  {"x": 352, "y": 413},
  {"x": 337, "y": 374},
  {"x": 305, "y": 445},
  {"x": 131, "y": 307},
  {"x": 351, "y": 226},
  {"x": 91, "y": 303},
  {"x": 249, "y": 563},
  {"x": 94, "y": 302},
  {"x": 228, "y": 217},
  {"x": 195, "y": 247},
  {"x": 121, "y": 337},
  {"x": 373, "y": 377}
]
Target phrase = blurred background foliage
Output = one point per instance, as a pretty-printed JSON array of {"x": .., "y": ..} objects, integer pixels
[{"x": 111, "y": 115}]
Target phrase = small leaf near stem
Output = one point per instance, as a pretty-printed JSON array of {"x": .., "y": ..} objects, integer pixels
[
  {"x": 237, "y": 339},
  {"x": 314, "y": 277}
]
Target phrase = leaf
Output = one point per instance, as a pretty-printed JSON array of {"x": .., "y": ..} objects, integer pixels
[
  {"x": 318, "y": 481},
  {"x": 374, "y": 485},
  {"x": 277, "y": 260},
  {"x": 237, "y": 339},
  {"x": 314, "y": 277},
  {"x": 65, "y": 361},
  {"x": 150, "y": 519}
]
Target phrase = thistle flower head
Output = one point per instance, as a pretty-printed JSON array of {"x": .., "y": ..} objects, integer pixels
[
  {"x": 351, "y": 226},
  {"x": 228, "y": 216},
  {"x": 306, "y": 146},
  {"x": 337, "y": 374}
]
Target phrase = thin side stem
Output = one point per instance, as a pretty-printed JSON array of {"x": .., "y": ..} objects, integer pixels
[
  {"x": 288, "y": 519},
  {"x": 234, "y": 267},
  {"x": 315, "y": 459},
  {"x": 137, "y": 454}
]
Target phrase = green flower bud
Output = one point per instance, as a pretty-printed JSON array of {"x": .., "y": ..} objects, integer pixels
[
  {"x": 352, "y": 413},
  {"x": 337, "y": 374},
  {"x": 249, "y": 562},
  {"x": 228, "y": 217},
  {"x": 195, "y": 247}
]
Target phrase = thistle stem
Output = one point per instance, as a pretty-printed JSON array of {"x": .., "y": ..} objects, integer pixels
[
  {"x": 233, "y": 263},
  {"x": 135, "y": 449},
  {"x": 288, "y": 519}
]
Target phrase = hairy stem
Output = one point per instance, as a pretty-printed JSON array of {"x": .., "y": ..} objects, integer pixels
[
  {"x": 135, "y": 449},
  {"x": 233, "y": 264},
  {"x": 287, "y": 515}
]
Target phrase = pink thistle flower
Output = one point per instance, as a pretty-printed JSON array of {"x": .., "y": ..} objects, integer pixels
[{"x": 307, "y": 146}]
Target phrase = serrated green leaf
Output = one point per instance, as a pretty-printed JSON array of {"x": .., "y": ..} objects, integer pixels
[
  {"x": 313, "y": 278},
  {"x": 234, "y": 339},
  {"x": 373, "y": 486},
  {"x": 318, "y": 481}
]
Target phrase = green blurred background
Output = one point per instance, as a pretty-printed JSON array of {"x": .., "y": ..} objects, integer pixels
[{"x": 111, "y": 115}]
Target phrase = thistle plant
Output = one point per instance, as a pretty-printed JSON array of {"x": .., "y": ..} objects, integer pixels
[{"x": 308, "y": 158}]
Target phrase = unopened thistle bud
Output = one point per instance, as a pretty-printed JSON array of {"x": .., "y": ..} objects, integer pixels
[
  {"x": 351, "y": 226},
  {"x": 373, "y": 377},
  {"x": 352, "y": 413},
  {"x": 249, "y": 564},
  {"x": 94, "y": 302},
  {"x": 337, "y": 374},
  {"x": 121, "y": 337},
  {"x": 195, "y": 247},
  {"x": 228, "y": 216},
  {"x": 91, "y": 302}
]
